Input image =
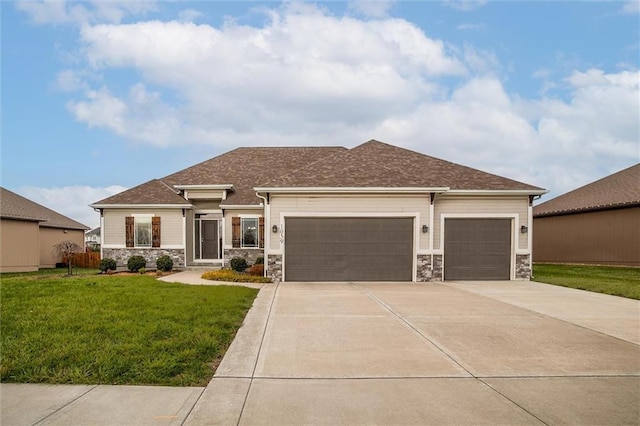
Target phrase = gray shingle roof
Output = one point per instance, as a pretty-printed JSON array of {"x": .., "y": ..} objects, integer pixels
[
  {"x": 372, "y": 164},
  {"x": 620, "y": 189},
  {"x": 14, "y": 206}
]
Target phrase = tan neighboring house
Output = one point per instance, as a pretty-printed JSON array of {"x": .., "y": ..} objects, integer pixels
[
  {"x": 598, "y": 223},
  {"x": 376, "y": 212},
  {"x": 28, "y": 232}
]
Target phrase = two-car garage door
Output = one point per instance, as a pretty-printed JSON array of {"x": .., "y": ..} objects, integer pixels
[{"x": 349, "y": 249}]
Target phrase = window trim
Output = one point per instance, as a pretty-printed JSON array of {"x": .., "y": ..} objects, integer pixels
[
  {"x": 136, "y": 218},
  {"x": 256, "y": 218}
]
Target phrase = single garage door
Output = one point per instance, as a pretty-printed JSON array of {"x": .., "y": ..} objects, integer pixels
[
  {"x": 348, "y": 249},
  {"x": 477, "y": 249}
]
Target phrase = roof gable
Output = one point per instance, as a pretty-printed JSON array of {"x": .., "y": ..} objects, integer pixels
[
  {"x": 153, "y": 192},
  {"x": 617, "y": 190},
  {"x": 14, "y": 206}
]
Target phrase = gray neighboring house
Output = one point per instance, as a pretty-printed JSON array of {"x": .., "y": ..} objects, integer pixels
[
  {"x": 598, "y": 223},
  {"x": 375, "y": 212},
  {"x": 28, "y": 232},
  {"x": 92, "y": 239}
]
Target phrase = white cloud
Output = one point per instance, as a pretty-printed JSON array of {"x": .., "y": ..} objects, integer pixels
[
  {"x": 472, "y": 27},
  {"x": 190, "y": 15},
  {"x": 465, "y": 5},
  {"x": 71, "y": 201},
  {"x": 282, "y": 84},
  {"x": 65, "y": 12},
  {"x": 631, "y": 7}
]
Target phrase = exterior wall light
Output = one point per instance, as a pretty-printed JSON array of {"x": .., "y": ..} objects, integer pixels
[
  {"x": 524, "y": 229},
  {"x": 425, "y": 229},
  {"x": 274, "y": 228}
]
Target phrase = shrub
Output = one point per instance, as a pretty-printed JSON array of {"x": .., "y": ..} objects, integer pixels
[
  {"x": 233, "y": 276},
  {"x": 259, "y": 260},
  {"x": 107, "y": 264},
  {"x": 238, "y": 264},
  {"x": 257, "y": 270},
  {"x": 164, "y": 263},
  {"x": 135, "y": 263},
  {"x": 142, "y": 271}
]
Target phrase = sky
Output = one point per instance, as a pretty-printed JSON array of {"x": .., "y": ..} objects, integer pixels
[{"x": 101, "y": 96}]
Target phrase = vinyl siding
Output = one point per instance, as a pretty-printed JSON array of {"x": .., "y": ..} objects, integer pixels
[
  {"x": 52, "y": 236},
  {"x": 485, "y": 206},
  {"x": 207, "y": 194},
  {"x": 609, "y": 237},
  {"x": 19, "y": 248},
  {"x": 206, "y": 205},
  {"x": 349, "y": 205},
  {"x": 170, "y": 226}
]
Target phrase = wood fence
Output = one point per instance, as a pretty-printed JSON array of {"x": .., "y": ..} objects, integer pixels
[{"x": 84, "y": 260}]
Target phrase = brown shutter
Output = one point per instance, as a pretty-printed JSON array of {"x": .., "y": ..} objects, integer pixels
[
  {"x": 155, "y": 231},
  {"x": 235, "y": 232},
  {"x": 261, "y": 231},
  {"x": 128, "y": 226}
]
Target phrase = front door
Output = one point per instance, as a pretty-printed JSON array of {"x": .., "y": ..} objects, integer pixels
[{"x": 209, "y": 239}]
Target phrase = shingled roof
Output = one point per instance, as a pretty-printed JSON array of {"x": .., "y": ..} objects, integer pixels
[
  {"x": 16, "y": 207},
  {"x": 618, "y": 190},
  {"x": 377, "y": 164},
  {"x": 372, "y": 164}
]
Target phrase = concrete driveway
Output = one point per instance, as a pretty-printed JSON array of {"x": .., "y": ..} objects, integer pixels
[
  {"x": 397, "y": 353},
  {"x": 394, "y": 353}
]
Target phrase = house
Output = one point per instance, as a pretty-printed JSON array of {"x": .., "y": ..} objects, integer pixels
[
  {"x": 598, "y": 223},
  {"x": 92, "y": 239},
  {"x": 376, "y": 212},
  {"x": 29, "y": 231}
]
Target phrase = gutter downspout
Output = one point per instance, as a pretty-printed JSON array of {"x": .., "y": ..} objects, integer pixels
[{"x": 267, "y": 230}]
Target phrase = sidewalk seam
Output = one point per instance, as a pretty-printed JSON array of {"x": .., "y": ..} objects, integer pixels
[{"x": 65, "y": 405}]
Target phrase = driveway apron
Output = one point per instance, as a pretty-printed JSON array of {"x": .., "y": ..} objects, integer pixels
[{"x": 401, "y": 353}]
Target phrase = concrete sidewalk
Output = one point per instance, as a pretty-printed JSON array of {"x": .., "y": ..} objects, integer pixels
[{"x": 392, "y": 353}]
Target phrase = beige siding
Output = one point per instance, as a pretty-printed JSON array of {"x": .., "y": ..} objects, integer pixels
[
  {"x": 52, "y": 236},
  {"x": 350, "y": 205},
  {"x": 19, "y": 249},
  {"x": 206, "y": 194},
  {"x": 170, "y": 226},
  {"x": 228, "y": 214},
  {"x": 482, "y": 207},
  {"x": 608, "y": 237}
]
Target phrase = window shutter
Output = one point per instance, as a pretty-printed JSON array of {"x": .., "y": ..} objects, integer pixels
[
  {"x": 155, "y": 231},
  {"x": 128, "y": 226},
  {"x": 261, "y": 231},
  {"x": 235, "y": 232}
]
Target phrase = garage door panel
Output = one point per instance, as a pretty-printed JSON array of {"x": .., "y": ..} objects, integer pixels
[
  {"x": 477, "y": 249},
  {"x": 348, "y": 249}
]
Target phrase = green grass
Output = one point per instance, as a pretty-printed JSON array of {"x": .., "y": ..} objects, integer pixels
[
  {"x": 100, "y": 329},
  {"x": 49, "y": 272},
  {"x": 617, "y": 281}
]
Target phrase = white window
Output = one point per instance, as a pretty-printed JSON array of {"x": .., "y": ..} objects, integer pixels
[
  {"x": 249, "y": 227},
  {"x": 142, "y": 233}
]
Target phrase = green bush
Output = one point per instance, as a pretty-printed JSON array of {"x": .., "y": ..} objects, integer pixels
[
  {"x": 135, "y": 263},
  {"x": 107, "y": 264},
  {"x": 238, "y": 264},
  {"x": 164, "y": 263},
  {"x": 259, "y": 260}
]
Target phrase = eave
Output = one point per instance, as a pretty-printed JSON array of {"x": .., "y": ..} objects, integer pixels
[
  {"x": 351, "y": 190},
  {"x": 141, "y": 206}
]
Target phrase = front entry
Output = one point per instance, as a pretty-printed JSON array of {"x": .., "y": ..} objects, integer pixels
[{"x": 207, "y": 237}]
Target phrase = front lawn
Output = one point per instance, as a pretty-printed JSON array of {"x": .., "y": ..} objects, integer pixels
[
  {"x": 617, "y": 281},
  {"x": 100, "y": 329}
]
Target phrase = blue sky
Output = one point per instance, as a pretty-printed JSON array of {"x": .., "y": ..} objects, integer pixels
[{"x": 100, "y": 96}]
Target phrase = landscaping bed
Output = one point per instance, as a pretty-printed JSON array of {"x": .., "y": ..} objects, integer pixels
[
  {"x": 115, "y": 329},
  {"x": 616, "y": 281}
]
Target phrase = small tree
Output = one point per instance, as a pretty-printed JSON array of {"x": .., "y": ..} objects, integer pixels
[{"x": 66, "y": 249}]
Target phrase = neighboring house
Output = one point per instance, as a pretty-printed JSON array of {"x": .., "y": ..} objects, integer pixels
[
  {"x": 92, "y": 239},
  {"x": 598, "y": 223},
  {"x": 29, "y": 231},
  {"x": 376, "y": 212}
]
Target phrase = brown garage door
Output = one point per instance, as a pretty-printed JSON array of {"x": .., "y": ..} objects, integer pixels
[
  {"x": 477, "y": 249},
  {"x": 348, "y": 249}
]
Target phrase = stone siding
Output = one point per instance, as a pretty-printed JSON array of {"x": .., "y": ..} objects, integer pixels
[
  {"x": 274, "y": 267},
  {"x": 437, "y": 268},
  {"x": 424, "y": 272},
  {"x": 250, "y": 255},
  {"x": 122, "y": 255},
  {"x": 523, "y": 267}
]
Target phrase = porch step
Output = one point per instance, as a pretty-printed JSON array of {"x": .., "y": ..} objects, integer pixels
[{"x": 205, "y": 267}]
